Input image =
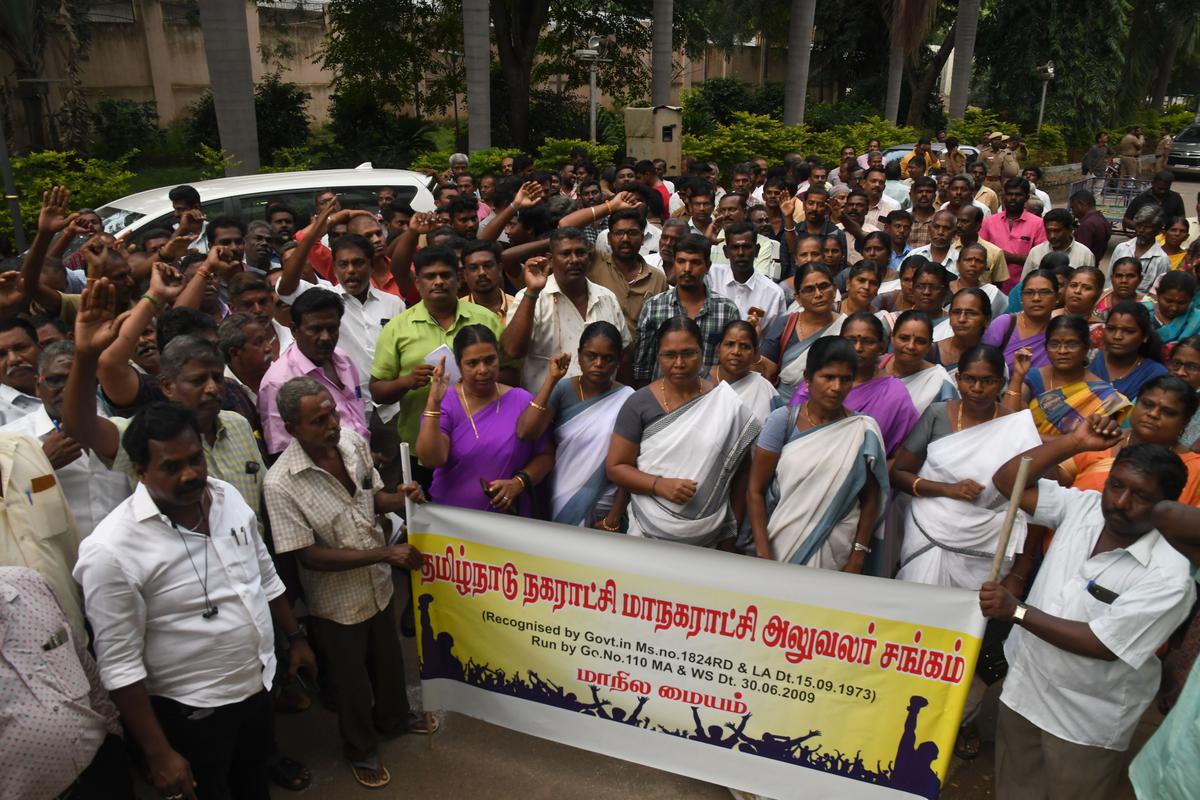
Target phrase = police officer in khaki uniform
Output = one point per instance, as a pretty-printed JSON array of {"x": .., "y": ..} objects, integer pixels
[
  {"x": 1000, "y": 161},
  {"x": 1130, "y": 149},
  {"x": 1163, "y": 150}
]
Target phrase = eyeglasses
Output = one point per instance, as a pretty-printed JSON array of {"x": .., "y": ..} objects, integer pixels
[
  {"x": 815, "y": 289},
  {"x": 625, "y": 234},
  {"x": 1064, "y": 345},
  {"x": 676, "y": 355},
  {"x": 1188, "y": 367}
]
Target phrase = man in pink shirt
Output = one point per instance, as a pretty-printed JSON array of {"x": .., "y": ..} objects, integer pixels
[
  {"x": 316, "y": 324},
  {"x": 1016, "y": 231}
]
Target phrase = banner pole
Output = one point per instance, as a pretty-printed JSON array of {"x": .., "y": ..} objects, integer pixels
[
  {"x": 406, "y": 474},
  {"x": 1014, "y": 503}
]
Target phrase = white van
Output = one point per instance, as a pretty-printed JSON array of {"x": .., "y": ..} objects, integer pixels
[{"x": 246, "y": 197}]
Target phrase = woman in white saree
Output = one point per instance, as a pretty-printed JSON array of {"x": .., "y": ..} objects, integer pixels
[
  {"x": 926, "y": 382},
  {"x": 679, "y": 448},
  {"x": 583, "y": 411},
  {"x": 786, "y": 341},
  {"x": 955, "y": 514},
  {"x": 819, "y": 471},
  {"x": 737, "y": 355}
]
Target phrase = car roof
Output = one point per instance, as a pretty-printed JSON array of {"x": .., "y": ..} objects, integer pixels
[{"x": 153, "y": 202}]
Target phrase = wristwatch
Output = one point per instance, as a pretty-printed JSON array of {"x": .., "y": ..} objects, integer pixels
[
  {"x": 299, "y": 633},
  {"x": 1019, "y": 614}
]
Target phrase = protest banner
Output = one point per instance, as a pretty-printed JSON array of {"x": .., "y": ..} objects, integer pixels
[{"x": 767, "y": 677}]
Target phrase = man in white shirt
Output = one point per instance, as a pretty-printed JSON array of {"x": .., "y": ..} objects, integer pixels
[
  {"x": 731, "y": 210},
  {"x": 181, "y": 593},
  {"x": 738, "y": 280},
  {"x": 1082, "y": 665},
  {"x": 941, "y": 249},
  {"x": 365, "y": 309},
  {"x": 18, "y": 362},
  {"x": 1034, "y": 176},
  {"x": 1144, "y": 246},
  {"x": 1060, "y": 238},
  {"x": 91, "y": 489},
  {"x": 879, "y": 205},
  {"x": 557, "y": 303}
]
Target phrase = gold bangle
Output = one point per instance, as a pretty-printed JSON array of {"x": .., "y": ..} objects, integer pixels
[
  {"x": 534, "y": 404},
  {"x": 914, "y": 487},
  {"x": 613, "y": 529},
  {"x": 1013, "y": 392},
  {"x": 431, "y": 413}
]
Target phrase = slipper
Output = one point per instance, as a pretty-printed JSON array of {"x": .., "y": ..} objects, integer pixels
[
  {"x": 371, "y": 773},
  {"x": 968, "y": 744},
  {"x": 290, "y": 774},
  {"x": 423, "y": 725}
]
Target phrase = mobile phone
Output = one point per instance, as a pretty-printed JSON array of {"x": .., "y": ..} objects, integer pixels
[
  {"x": 1106, "y": 596},
  {"x": 484, "y": 486}
]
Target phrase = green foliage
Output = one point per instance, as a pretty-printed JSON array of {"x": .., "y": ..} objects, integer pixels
[
  {"x": 215, "y": 162},
  {"x": 279, "y": 111},
  {"x": 482, "y": 161},
  {"x": 92, "y": 181},
  {"x": 555, "y": 153},
  {"x": 1048, "y": 146},
  {"x": 553, "y": 115},
  {"x": 718, "y": 99},
  {"x": 751, "y": 135},
  {"x": 364, "y": 129},
  {"x": 292, "y": 159},
  {"x": 827, "y": 115},
  {"x": 121, "y": 125},
  {"x": 976, "y": 124}
]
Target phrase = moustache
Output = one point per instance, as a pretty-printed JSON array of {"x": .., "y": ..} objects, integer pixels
[
  {"x": 16, "y": 367},
  {"x": 191, "y": 487}
]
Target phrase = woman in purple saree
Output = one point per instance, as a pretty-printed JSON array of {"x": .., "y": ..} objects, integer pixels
[
  {"x": 875, "y": 394},
  {"x": 1027, "y": 327},
  {"x": 469, "y": 433}
]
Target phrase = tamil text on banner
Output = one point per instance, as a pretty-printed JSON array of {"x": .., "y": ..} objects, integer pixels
[{"x": 767, "y": 677}]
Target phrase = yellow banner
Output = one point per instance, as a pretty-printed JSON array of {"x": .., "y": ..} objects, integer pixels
[{"x": 768, "y": 677}]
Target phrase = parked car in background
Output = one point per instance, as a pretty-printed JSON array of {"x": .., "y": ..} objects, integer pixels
[
  {"x": 898, "y": 151},
  {"x": 1184, "y": 157},
  {"x": 247, "y": 196}
]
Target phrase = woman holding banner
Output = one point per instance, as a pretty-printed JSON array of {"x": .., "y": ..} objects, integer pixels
[
  {"x": 468, "y": 433},
  {"x": 819, "y": 471},
  {"x": 583, "y": 411},
  {"x": 679, "y": 448}
]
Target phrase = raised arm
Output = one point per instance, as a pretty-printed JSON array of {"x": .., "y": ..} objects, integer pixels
[
  {"x": 528, "y": 196},
  {"x": 519, "y": 330},
  {"x": 587, "y": 216},
  {"x": 51, "y": 219},
  {"x": 96, "y": 327},
  {"x": 537, "y": 416},
  {"x": 433, "y": 445},
  {"x": 1096, "y": 433}
]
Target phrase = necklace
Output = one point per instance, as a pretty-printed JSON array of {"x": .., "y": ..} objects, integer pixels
[
  {"x": 636, "y": 275},
  {"x": 462, "y": 393},
  {"x": 666, "y": 403},
  {"x": 811, "y": 423},
  {"x": 1113, "y": 378},
  {"x": 959, "y": 422},
  {"x": 210, "y": 608}
]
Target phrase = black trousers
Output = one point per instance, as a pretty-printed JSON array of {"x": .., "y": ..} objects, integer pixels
[
  {"x": 228, "y": 747},
  {"x": 107, "y": 777},
  {"x": 364, "y": 666}
]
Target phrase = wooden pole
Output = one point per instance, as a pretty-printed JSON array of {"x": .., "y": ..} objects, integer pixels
[{"x": 1014, "y": 503}]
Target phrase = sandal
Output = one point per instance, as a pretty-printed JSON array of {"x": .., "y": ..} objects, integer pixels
[
  {"x": 371, "y": 773},
  {"x": 423, "y": 725},
  {"x": 290, "y": 774},
  {"x": 968, "y": 744}
]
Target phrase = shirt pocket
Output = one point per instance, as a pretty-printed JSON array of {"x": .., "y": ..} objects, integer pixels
[
  {"x": 48, "y": 511},
  {"x": 53, "y": 676}
]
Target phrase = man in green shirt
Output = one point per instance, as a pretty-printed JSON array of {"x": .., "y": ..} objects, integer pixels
[{"x": 399, "y": 372}]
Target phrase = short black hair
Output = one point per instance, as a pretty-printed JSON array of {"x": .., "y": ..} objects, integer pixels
[
  {"x": 396, "y": 207},
  {"x": 352, "y": 240},
  {"x": 439, "y": 254},
  {"x": 521, "y": 163},
  {"x": 462, "y": 203},
  {"x": 13, "y": 323},
  {"x": 1158, "y": 462},
  {"x": 479, "y": 246},
  {"x": 315, "y": 300},
  {"x": 694, "y": 243},
  {"x": 279, "y": 208},
  {"x": 1060, "y": 215},
  {"x": 160, "y": 421},
  {"x": 210, "y": 233},
  {"x": 565, "y": 234},
  {"x": 181, "y": 322},
  {"x": 625, "y": 214},
  {"x": 184, "y": 194},
  {"x": 247, "y": 282}
]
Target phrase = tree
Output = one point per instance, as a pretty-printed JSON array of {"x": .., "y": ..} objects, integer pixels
[
  {"x": 477, "y": 58},
  {"x": 908, "y": 23},
  {"x": 966, "y": 26},
  {"x": 661, "y": 67},
  {"x": 800, "y": 33},
  {"x": 518, "y": 24},
  {"x": 227, "y": 50},
  {"x": 921, "y": 85}
]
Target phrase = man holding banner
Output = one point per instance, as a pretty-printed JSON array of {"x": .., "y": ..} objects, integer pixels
[
  {"x": 1082, "y": 666},
  {"x": 323, "y": 495}
]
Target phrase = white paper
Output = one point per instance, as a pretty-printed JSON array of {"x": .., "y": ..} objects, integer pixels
[{"x": 443, "y": 351}]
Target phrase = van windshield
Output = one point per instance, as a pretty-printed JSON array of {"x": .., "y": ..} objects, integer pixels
[{"x": 1190, "y": 134}]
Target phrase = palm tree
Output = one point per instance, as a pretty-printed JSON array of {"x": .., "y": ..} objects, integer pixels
[
  {"x": 908, "y": 23},
  {"x": 660, "y": 64},
  {"x": 800, "y": 31},
  {"x": 477, "y": 58},
  {"x": 964, "y": 56},
  {"x": 227, "y": 50}
]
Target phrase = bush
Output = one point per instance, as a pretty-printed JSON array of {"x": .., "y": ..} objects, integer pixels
[
  {"x": 121, "y": 126},
  {"x": 717, "y": 99},
  {"x": 279, "y": 112},
  {"x": 93, "y": 182},
  {"x": 363, "y": 129},
  {"x": 1049, "y": 146},
  {"x": 828, "y": 115},
  {"x": 555, "y": 153},
  {"x": 438, "y": 161},
  {"x": 976, "y": 124}
]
